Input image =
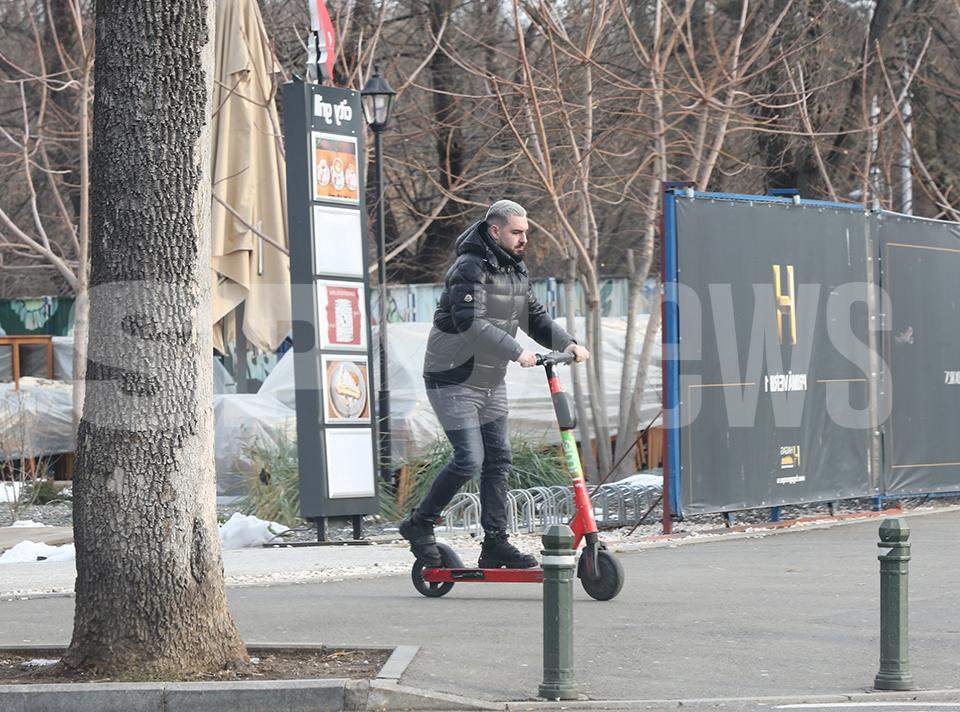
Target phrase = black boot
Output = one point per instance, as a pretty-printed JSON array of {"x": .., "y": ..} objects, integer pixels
[
  {"x": 497, "y": 552},
  {"x": 419, "y": 532}
]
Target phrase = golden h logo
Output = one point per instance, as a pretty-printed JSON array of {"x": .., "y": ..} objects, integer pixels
[{"x": 785, "y": 301}]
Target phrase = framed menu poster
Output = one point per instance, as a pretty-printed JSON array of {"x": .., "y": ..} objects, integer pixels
[
  {"x": 335, "y": 174},
  {"x": 343, "y": 315},
  {"x": 346, "y": 389}
]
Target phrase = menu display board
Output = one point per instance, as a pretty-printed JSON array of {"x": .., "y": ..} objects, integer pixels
[{"x": 336, "y": 418}]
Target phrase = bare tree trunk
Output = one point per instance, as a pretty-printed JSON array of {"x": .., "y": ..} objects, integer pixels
[
  {"x": 595, "y": 380},
  {"x": 150, "y": 598},
  {"x": 640, "y": 382},
  {"x": 634, "y": 292},
  {"x": 81, "y": 321},
  {"x": 583, "y": 425},
  {"x": 624, "y": 435}
]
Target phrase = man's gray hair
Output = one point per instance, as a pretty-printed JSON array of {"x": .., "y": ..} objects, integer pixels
[{"x": 500, "y": 212}]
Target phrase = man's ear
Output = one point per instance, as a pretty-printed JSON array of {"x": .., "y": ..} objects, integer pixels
[{"x": 494, "y": 231}]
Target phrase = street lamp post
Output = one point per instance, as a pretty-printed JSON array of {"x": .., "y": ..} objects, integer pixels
[{"x": 377, "y": 98}]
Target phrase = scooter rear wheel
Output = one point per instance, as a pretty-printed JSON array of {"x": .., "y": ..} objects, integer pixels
[
  {"x": 610, "y": 581},
  {"x": 430, "y": 589}
]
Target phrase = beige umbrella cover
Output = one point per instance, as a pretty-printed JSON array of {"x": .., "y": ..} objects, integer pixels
[{"x": 249, "y": 176}]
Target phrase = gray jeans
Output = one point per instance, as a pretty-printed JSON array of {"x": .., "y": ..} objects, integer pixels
[{"x": 475, "y": 422}]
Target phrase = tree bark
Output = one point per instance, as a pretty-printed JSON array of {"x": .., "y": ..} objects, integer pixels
[{"x": 150, "y": 598}]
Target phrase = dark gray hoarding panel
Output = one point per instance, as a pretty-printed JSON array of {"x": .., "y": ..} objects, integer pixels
[
  {"x": 921, "y": 276},
  {"x": 774, "y": 355}
]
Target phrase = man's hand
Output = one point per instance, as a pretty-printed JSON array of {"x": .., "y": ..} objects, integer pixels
[
  {"x": 579, "y": 353},
  {"x": 527, "y": 359}
]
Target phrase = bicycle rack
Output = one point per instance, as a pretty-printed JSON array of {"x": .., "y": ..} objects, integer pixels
[{"x": 615, "y": 504}]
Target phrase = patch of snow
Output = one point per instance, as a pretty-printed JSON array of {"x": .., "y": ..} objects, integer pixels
[
  {"x": 38, "y": 662},
  {"x": 643, "y": 479},
  {"x": 10, "y": 491},
  {"x": 29, "y": 551},
  {"x": 25, "y": 523},
  {"x": 241, "y": 531}
]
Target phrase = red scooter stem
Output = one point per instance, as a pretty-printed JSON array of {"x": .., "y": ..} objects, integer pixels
[{"x": 583, "y": 522}]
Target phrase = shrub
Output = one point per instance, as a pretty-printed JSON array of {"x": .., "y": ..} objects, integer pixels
[
  {"x": 273, "y": 490},
  {"x": 40, "y": 491}
]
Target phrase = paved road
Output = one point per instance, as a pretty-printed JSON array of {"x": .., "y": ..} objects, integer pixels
[{"x": 792, "y": 614}]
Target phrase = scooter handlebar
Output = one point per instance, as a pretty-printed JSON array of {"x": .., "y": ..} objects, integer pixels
[{"x": 555, "y": 358}]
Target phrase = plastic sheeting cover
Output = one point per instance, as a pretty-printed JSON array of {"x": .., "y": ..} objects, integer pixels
[
  {"x": 413, "y": 424},
  {"x": 241, "y": 420}
]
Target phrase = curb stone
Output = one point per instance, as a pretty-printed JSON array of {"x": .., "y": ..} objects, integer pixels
[
  {"x": 759, "y": 531},
  {"x": 387, "y": 696},
  {"x": 882, "y": 698},
  {"x": 383, "y": 693},
  {"x": 334, "y": 695}
]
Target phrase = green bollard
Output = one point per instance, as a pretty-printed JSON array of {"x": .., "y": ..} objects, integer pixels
[
  {"x": 558, "y": 566},
  {"x": 894, "y": 571}
]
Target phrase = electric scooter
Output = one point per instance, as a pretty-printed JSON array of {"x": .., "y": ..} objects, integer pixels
[{"x": 598, "y": 570}]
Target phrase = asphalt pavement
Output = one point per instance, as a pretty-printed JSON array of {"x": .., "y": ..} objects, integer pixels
[{"x": 789, "y": 615}]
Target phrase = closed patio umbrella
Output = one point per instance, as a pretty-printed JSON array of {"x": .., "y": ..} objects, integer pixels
[{"x": 249, "y": 192}]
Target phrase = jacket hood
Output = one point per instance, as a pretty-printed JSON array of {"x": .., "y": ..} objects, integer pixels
[{"x": 476, "y": 240}]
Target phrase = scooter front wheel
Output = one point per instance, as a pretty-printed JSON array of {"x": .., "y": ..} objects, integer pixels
[
  {"x": 430, "y": 589},
  {"x": 608, "y": 584}
]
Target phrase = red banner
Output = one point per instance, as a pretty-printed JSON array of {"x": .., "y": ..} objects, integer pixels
[{"x": 320, "y": 22}]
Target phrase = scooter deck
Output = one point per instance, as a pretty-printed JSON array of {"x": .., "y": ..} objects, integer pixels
[{"x": 483, "y": 575}]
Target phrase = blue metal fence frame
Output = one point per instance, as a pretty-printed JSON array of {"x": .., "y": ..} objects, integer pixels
[{"x": 671, "y": 351}]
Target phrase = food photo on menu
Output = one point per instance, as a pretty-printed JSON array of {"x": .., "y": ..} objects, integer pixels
[{"x": 335, "y": 175}]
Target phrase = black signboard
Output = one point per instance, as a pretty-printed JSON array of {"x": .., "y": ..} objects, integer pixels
[{"x": 336, "y": 413}]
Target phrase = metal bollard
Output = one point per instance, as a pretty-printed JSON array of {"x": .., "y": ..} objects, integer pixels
[
  {"x": 558, "y": 565},
  {"x": 894, "y": 624}
]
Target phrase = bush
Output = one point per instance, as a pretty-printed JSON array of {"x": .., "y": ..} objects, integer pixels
[
  {"x": 40, "y": 491},
  {"x": 273, "y": 491}
]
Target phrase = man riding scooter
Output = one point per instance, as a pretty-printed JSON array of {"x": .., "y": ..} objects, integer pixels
[{"x": 486, "y": 298}]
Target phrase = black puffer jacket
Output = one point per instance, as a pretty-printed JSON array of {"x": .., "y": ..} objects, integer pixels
[{"x": 486, "y": 297}]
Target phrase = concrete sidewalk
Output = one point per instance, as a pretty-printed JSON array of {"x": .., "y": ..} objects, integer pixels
[
  {"x": 302, "y": 565},
  {"x": 781, "y": 615},
  {"x": 11, "y": 536}
]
